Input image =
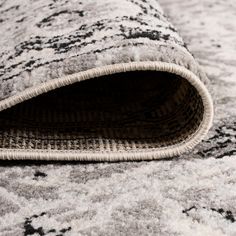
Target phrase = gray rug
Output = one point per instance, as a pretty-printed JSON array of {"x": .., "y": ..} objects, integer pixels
[
  {"x": 99, "y": 81},
  {"x": 193, "y": 194}
]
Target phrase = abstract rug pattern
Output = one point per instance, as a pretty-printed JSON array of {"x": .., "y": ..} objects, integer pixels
[{"x": 189, "y": 195}]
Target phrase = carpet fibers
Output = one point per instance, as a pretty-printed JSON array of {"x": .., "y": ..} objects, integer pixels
[{"x": 193, "y": 194}]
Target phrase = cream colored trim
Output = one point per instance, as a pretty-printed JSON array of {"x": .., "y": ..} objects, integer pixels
[{"x": 157, "y": 153}]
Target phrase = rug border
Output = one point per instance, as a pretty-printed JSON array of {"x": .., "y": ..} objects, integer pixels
[{"x": 157, "y": 153}]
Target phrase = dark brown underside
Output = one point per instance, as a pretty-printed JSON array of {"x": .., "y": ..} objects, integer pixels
[{"x": 132, "y": 110}]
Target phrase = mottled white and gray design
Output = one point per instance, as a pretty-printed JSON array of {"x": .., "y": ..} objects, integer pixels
[
  {"x": 51, "y": 39},
  {"x": 148, "y": 101},
  {"x": 191, "y": 195}
]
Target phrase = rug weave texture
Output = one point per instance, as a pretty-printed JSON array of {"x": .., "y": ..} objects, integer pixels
[{"x": 192, "y": 194}]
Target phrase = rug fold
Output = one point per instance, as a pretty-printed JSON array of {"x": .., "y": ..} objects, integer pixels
[{"x": 97, "y": 80}]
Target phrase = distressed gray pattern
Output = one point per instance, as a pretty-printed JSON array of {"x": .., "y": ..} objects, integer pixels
[
  {"x": 51, "y": 39},
  {"x": 194, "y": 195}
]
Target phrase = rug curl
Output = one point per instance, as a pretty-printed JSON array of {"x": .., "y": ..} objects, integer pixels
[{"x": 97, "y": 80}]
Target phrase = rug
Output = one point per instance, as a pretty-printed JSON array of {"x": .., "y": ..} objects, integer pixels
[
  {"x": 192, "y": 194},
  {"x": 97, "y": 80}
]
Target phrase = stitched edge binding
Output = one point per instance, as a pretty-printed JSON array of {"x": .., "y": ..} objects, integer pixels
[{"x": 156, "y": 153}]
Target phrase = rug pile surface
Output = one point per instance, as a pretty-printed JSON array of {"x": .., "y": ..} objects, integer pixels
[{"x": 193, "y": 194}]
